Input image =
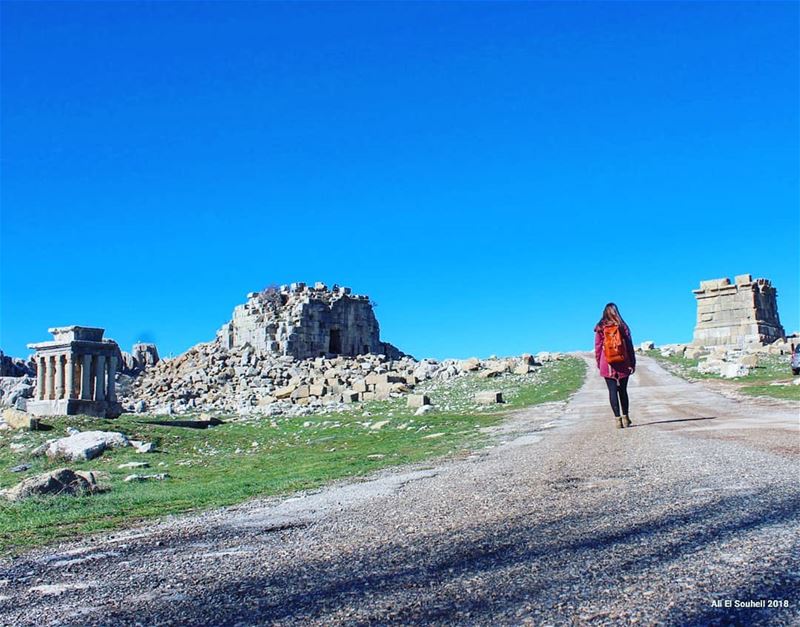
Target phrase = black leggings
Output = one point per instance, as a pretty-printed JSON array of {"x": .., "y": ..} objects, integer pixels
[{"x": 618, "y": 392}]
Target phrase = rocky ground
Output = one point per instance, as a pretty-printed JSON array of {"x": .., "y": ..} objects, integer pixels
[
  {"x": 209, "y": 377},
  {"x": 686, "y": 518}
]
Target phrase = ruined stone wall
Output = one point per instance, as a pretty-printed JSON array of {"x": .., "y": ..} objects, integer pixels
[
  {"x": 303, "y": 322},
  {"x": 738, "y": 313}
]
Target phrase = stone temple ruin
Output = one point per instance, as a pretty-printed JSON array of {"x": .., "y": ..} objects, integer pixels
[
  {"x": 306, "y": 322},
  {"x": 736, "y": 314},
  {"x": 75, "y": 374}
]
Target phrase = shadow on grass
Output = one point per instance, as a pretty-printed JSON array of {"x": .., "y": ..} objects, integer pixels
[{"x": 486, "y": 573}]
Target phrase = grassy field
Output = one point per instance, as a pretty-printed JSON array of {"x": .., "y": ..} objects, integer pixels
[
  {"x": 772, "y": 377},
  {"x": 239, "y": 460}
]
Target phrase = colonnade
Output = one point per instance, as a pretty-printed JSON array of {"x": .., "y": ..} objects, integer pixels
[{"x": 69, "y": 376}]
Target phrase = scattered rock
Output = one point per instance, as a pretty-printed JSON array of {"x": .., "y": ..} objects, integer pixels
[
  {"x": 20, "y": 420},
  {"x": 21, "y": 468},
  {"x": 488, "y": 397},
  {"x": 63, "y": 481},
  {"x": 156, "y": 477},
  {"x": 425, "y": 409},
  {"x": 85, "y": 445},
  {"x": 417, "y": 400},
  {"x": 143, "y": 447},
  {"x": 134, "y": 465},
  {"x": 733, "y": 370}
]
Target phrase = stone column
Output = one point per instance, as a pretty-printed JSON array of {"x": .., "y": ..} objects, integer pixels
[
  {"x": 70, "y": 379},
  {"x": 40, "y": 378},
  {"x": 59, "y": 359},
  {"x": 49, "y": 377},
  {"x": 112, "y": 372},
  {"x": 100, "y": 378},
  {"x": 86, "y": 381}
]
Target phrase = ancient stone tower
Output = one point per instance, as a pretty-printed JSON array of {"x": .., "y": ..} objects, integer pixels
[
  {"x": 302, "y": 322},
  {"x": 738, "y": 313}
]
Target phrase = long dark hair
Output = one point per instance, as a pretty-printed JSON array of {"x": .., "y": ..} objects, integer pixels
[{"x": 611, "y": 315}]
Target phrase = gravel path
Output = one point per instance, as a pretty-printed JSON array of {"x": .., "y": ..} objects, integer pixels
[{"x": 565, "y": 520}]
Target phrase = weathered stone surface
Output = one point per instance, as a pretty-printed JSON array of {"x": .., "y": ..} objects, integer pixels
[
  {"x": 20, "y": 420},
  {"x": 144, "y": 355},
  {"x": 304, "y": 322},
  {"x": 57, "y": 482},
  {"x": 76, "y": 374},
  {"x": 418, "y": 400},
  {"x": 647, "y": 345},
  {"x": 16, "y": 367},
  {"x": 85, "y": 445},
  {"x": 470, "y": 365},
  {"x": 736, "y": 314},
  {"x": 14, "y": 391},
  {"x": 732, "y": 370},
  {"x": 138, "y": 478},
  {"x": 489, "y": 397}
]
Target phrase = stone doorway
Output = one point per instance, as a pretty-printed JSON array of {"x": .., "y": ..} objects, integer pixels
[{"x": 335, "y": 342}]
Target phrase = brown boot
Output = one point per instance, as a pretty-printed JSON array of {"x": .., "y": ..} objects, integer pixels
[
  {"x": 627, "y": 420},
  {"x": 619, "y": 422}
]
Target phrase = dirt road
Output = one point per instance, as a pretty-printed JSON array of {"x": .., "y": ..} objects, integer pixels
[{"x": 686, "y": 518}]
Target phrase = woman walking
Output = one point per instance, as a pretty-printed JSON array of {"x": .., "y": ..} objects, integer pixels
[{"x": 616, "y": 360}]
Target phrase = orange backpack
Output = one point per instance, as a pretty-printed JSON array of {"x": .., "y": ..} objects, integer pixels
[{"x": 613, "y": 344}]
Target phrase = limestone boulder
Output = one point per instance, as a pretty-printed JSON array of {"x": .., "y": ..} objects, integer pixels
[
  {"x": 488, "y": 397},
  {"x": 417, "y": 400},
  {"x": 16, "y": 389},
  {"x": 17, "y": 419},
  {"x": 85, "y": 445},
  {"x": 61, "y": 482},
  {"x": 733, "y": 370}
]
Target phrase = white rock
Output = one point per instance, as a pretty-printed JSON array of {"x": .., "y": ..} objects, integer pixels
[
  {"x": 134, "y": 465},
  {"x": 143, "y": 447},
  {"x": 425, "y": 409},
  {"x": 157, "y": 477},
  {"x": 734, "y": 369},
  {"x": 85, "y": 445}
]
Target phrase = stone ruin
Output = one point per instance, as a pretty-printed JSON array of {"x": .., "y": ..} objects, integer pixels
[
  {"x": 75, "y": 374},
  {"x": 737, "y": 314},
  {"x": 306, "y": 322}
]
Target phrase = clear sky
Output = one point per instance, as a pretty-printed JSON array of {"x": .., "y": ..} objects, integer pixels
[{"x": 490, "y": 173}]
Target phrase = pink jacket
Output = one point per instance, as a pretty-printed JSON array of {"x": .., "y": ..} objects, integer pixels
[{"x": 621, "y": 369}]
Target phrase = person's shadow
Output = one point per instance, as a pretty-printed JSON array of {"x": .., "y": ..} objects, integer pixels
[{"x": 661, "y": 422}]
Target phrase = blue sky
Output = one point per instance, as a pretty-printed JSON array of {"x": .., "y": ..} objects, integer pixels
[{"x": 490, "y": 173}]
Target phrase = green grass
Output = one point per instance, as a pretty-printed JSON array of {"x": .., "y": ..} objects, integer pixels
[
  {"x": 242, "y": 459},
  {"x": 785, "y": 392},
  {"x": 771, "y": 369}
]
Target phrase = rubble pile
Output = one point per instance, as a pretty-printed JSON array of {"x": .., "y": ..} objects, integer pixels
[
  {"x": 211, "y": 377},
  {"x": 726, "y": 361}
]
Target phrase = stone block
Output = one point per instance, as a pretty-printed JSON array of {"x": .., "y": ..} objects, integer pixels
[
  {"x": 733, "y": 370},
  {"x": 317, "y": 390},
  {"x": 751, "y": 361},
  {"x": 489, "y": 397},
  {"x": 417, "y": 400},
  {"x": 470, "y": 365},
  {"x": 284, "y": 392},
  {"x": 20, "y": 420},
  {"x": 350, "y": 396}
]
